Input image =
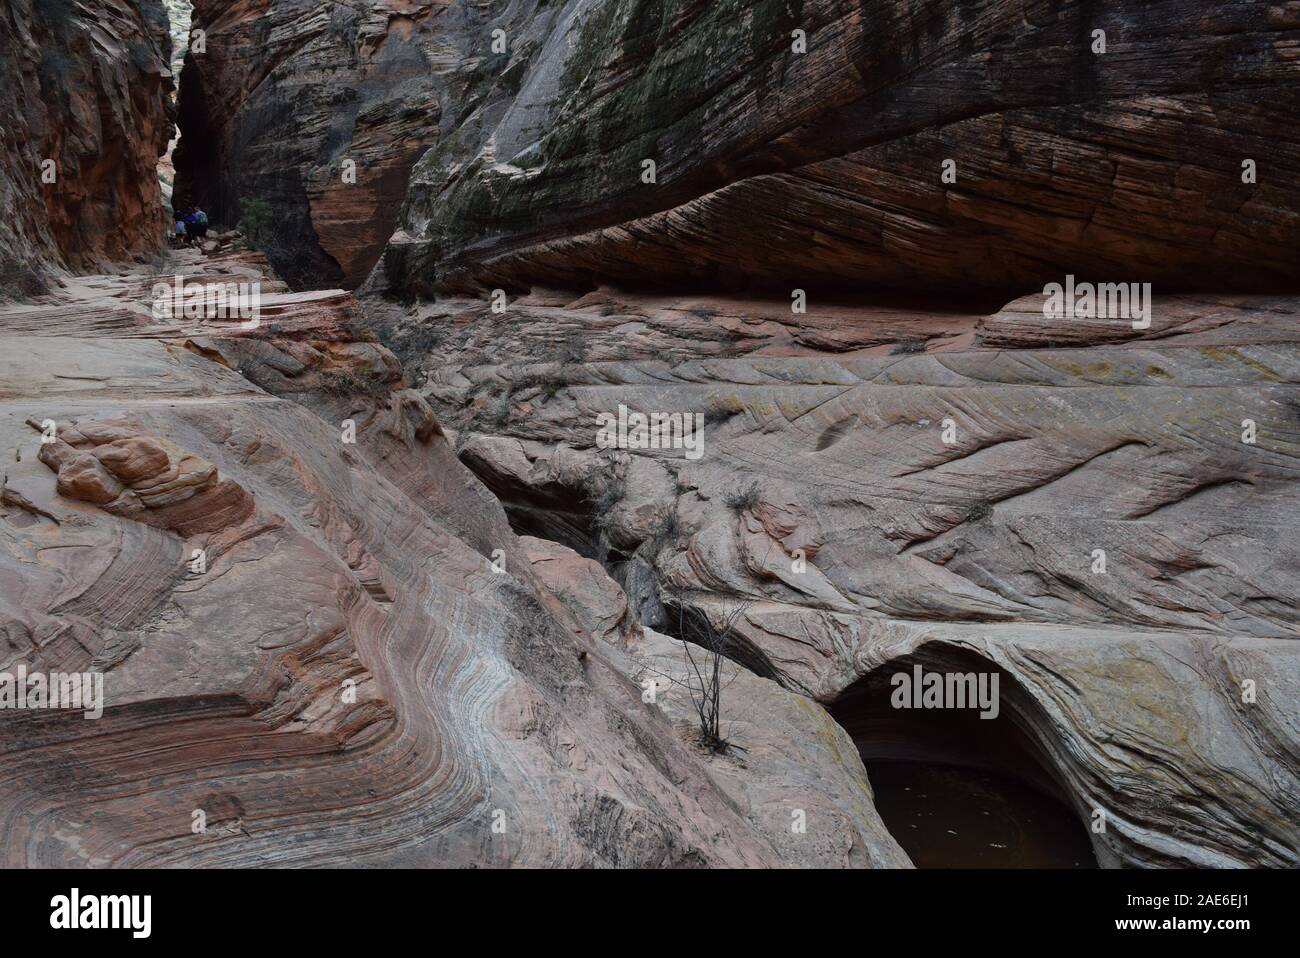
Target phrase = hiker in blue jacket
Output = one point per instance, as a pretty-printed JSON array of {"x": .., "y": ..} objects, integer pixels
[{"x": 199, "y": 228}]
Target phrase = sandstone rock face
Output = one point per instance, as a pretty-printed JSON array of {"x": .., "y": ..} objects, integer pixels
[
  {"x": 302, "y": 121},
  {"x": 805, "y": 146},
  {"x": 128, "y": 473},
  {"x": 367, "y": 584},
  {"x": 85, "y": 116},
  {"x": 827, "y": 498},
  {"x": 1099, "y": 510},
  {"x": 263, "y": 540},
  {"x": 813, "y": 161},
  {"x": 771, "y": 781}
]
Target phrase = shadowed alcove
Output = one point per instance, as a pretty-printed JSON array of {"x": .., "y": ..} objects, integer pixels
[{"x": 957, "y": 790}]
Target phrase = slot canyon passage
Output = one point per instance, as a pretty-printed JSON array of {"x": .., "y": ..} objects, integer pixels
[{"x": 373, "y": 573}]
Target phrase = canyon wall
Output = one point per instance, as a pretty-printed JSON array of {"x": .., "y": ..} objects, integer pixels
[
  {"x": 794, "y": 145},
  {"x": 804, "y": 145},
  {"x": 320, "y": 641},
  {"x": 1100, "y": 508},
  {"x": 300, "y": 122},
  {"x": 85, "y": 116},
  {"x": 430, "y": 598}
]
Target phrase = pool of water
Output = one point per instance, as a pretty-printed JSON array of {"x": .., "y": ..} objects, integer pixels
[{"x": 950, "y": 817}]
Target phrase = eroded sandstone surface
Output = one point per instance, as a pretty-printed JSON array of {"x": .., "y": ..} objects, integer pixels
[
  {"x": 793, "y": 144},
  {"x": 827, "y": 500},
  {"x": 684, "y": 210},
  {"x": 305, "y": 638},
  {"x": 301, "y": 121},
  {"x": 363, "y": 584}
]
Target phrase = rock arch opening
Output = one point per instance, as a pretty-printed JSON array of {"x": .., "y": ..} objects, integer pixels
[{"x": 958, "y": 790}]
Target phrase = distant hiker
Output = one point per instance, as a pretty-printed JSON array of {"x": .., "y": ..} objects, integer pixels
[
  {"x": 200, "y": 226},
  {"x": 181, "y": 237}
]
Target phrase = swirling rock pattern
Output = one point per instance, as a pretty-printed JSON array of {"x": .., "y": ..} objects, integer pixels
[
  {"x": 819, "y": 170},
  {"x": 318, "y": 627},
  {"x": 343, "y": 678},
  {"x": 123, "y": 471},
  {"x": 828, "y": 502}
]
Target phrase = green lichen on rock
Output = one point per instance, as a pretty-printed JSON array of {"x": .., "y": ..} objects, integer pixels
[{"x": 643, "y": 80}]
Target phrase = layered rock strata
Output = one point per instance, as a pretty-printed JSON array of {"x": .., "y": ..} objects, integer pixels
[
  {"x": 300, "y": 122},
  {"x": 85, "y": 116},
  {"x": 986, "y": 147},
  {"x": 1106, "y": 515},
  {"x": 313, "y": 632},
  {"x": 977, "y": 147},
  {"x": 262, "y": 540}
]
